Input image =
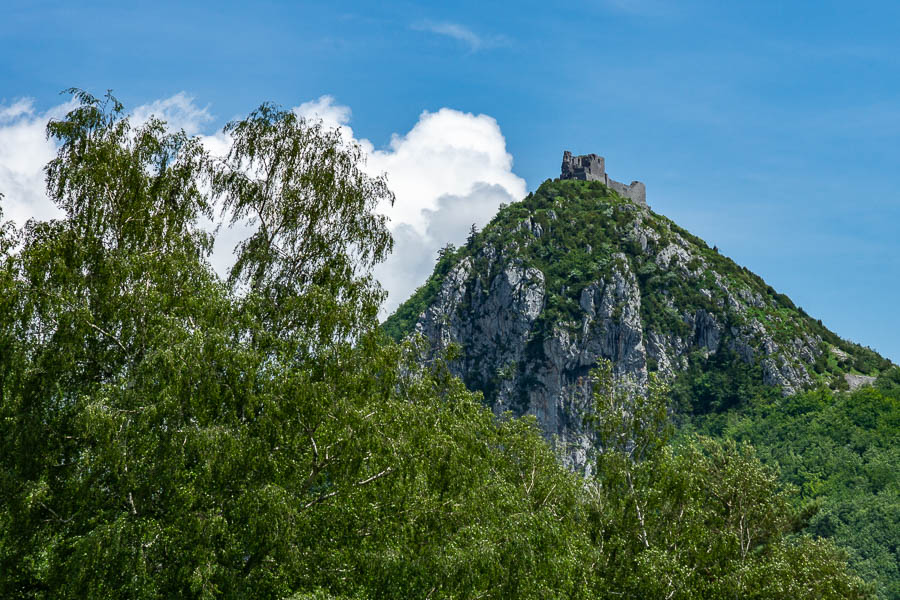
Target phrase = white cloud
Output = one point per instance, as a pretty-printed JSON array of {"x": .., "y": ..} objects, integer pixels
[
  {"x": 17, "y": 109},
  {"x": 449, "y": 171},
  {"x": 324, "y": 109},
  {"x": 462, "y": 34},
  {"x": 447, "y": 152},
  {"x": 24, "y": 150},
  {"x": 178, "y": 111}
]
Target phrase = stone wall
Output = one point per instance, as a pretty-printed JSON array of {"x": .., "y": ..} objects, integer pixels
[
  {"x": 636, "y": 191},
  {"x": 590, "y": 167}
]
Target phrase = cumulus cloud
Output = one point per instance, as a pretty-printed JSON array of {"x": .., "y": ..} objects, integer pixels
[
  {"x": 24, "y": 150},
  {"x": 19, "y": 108},
  {"x": 447, "y": 153},
  {"x": 333, "y": 116},
  {"x": 178, "y": 111},
  {"x": 451, "y": 170}
]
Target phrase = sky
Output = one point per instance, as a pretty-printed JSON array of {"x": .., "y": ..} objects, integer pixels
[{"x": 769, "y": 129}]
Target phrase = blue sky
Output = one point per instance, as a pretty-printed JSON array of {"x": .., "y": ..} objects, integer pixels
[{"x": 770, "y": 129}]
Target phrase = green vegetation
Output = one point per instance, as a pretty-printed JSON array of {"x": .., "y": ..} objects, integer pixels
[
  {"x": 167, "y": 434},
  {"x": 583, "y": 226},
  {"x": 164, "y": 433},
  {"x": 840, "y": 450},
  {"x": 835, "y": 450},
  {"x": 699, "y": 518},
  {"x": 718, "y": 383},
  {"x": 403, "y": 321}
]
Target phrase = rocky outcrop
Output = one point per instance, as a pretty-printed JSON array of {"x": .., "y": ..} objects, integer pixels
[
  {"x": 857, "y": 381},
  {"x": 526, "y": 369},
  {"x": 656, "y": 301}
]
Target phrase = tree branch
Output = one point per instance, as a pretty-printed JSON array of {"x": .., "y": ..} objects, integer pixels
[{"x": 107, "y": 334}]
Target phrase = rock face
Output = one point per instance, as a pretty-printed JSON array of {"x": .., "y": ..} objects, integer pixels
[
  {"x": 857, "y": 381},
  {"x": 523, "y": 371},
  {"x": 574, "y": 274}
]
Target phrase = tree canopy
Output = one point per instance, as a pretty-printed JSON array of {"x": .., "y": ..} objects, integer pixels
[{"x": 165, "y": 432}]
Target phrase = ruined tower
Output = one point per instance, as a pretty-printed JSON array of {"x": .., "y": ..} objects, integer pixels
[{"x": 590, "y": 167}]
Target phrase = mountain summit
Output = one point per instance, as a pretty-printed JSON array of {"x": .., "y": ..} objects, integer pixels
[
  {"x": 583, "y": 270},
  {"x": 590, "y": 167}
]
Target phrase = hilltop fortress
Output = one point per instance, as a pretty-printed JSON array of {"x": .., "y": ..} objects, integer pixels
[{"x": 590, "y": 167}]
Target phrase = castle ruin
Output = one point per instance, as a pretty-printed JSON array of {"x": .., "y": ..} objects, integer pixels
[{"x": 590, "y": 167}]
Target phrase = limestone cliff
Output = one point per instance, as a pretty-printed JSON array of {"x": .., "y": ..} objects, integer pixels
[{"x": 575, "y": 273}]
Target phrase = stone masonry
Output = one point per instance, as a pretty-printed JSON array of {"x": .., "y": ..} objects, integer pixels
[{"x": 590, "y": 167}]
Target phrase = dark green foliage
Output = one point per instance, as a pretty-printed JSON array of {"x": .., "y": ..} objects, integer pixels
[
  {"x": 866, "y": 360},
  {"x": 164, "y": 433},
  {"x": 889, "y": 379},
  {"x": 167, "y": 434},
  {"x": 700, "y": 518},
  {"x": 719, "y": 382},
  {"x": 840, "y": 450}
]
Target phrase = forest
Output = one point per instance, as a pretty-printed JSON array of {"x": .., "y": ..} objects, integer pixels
[{"x": 168, "y": 432}]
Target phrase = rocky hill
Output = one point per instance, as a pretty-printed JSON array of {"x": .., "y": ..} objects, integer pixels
[{"x": 576, "y": 272}]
